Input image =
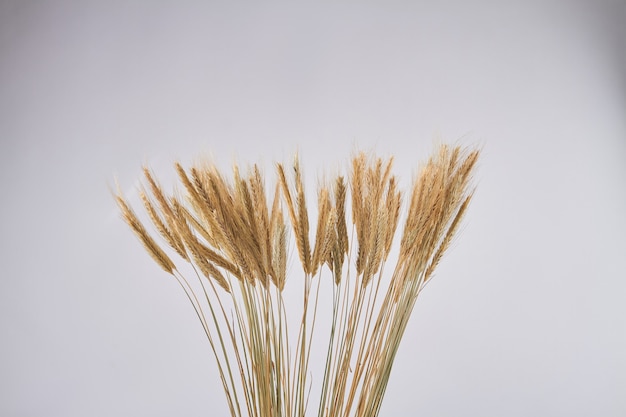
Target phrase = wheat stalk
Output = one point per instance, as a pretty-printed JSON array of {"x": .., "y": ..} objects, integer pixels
[{"x": 233, "y": 234}]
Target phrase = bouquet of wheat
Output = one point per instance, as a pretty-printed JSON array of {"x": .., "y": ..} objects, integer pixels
[{"x": 234, "y": 236}]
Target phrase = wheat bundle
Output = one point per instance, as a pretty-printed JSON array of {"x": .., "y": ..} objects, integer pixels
[{"x": 234, "y": 233}]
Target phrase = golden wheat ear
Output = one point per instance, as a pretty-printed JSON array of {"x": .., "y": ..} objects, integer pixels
[
  {"x": 148, "y": 242},
  {"x": 297, "y": 213}
]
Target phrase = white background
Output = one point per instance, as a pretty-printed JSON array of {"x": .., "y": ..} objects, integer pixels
[{"x": 527, "y": 313}]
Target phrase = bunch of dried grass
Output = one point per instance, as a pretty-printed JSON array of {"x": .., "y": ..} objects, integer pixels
[{"x": 235, "y": 237}]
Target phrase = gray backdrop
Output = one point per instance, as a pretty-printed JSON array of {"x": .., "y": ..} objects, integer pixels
[{"x": 527, "y": 313}]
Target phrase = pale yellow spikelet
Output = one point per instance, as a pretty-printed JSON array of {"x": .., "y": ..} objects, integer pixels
[
  {"x": 287, "y": 194},
  {"x": 288, "y": 198},
  {"x": 279, "y": 251},
  {"x": 182, "y": 175},
  {"x": 377, "y": 245},
  {"x": 218, "y": 197},
  {"x": 337, "y": 260},
  {"x": 170, "y": 235},
  {"x": 193, "y": 243},
  {"x": 453, "y": 158},
  {"x": 340, "y": 204},
  {"x": 259, "y": 198},
  {"x": 447, "y": 239},
  {"x": 151, "y": 246},
  {"x": 297, "y": 213},
  {"x": 203, "y": 222},
  {"x": 364, "y": 206},
  {"x": 239, "y": 258},
  {"x": 157, "y": 192},
  {"x": 437, "y": 195},
  {"x": 330, "y": 237},
  {"x": 276, "y": 212},
  {"x": 324, "y": 209},
  {"x": 387, "y": 172},
  {"x": 374, "y": 215},
  {"x": 194, "y": 223},
  {"x": 356, "y": 185},
  {"x": 246, "y": 231},
  {"x": 303, "y": 218},
  {"x": 206, "y": 207},
  {"x": 209, "y": 270},
  {"x": 234, "y": 237},
  {"x": 393, "y": 205}
]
